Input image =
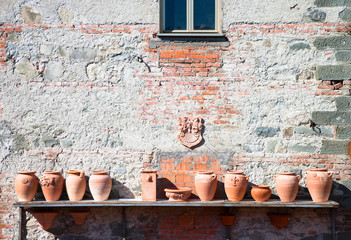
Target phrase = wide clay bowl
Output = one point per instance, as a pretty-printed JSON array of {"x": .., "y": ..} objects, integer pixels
[
  {"x": 178, "y": 194},
  {"x": 261, "y": 193}
]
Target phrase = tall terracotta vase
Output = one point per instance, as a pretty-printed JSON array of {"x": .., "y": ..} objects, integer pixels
[
  {"x": 52, "y": 185},
  {"x": 148, "y": 178},
  {"x": 75, "y": 184},
  {"x": 205, "y": 185},
  {"x": 26, "y": 185},
  {"x": 261, "y": 193},
  {"x": 287, "y": 184},
  {"x": 100, "y": 184},
  {"x": 319, "y": 182},
  {"x": 235, "y": 183}
]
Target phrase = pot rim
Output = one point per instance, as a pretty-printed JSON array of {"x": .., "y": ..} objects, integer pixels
[
  {"x": 318, "y": 169},
  {"x": 262, "y": 186},
  {"x": 205, "y": 172},
  {"x": 148, "y": 171},
  {"x": 287, "y": 173},
  {"x": 52, "y": 172},
  {"x": 26, "y": 172},
  {"x": 236, "y": 172},
  {"x": 99, "y": 173},
  {"x": 178, "y": 190}
]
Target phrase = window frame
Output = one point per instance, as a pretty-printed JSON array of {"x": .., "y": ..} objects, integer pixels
[{"x": 190, "y": 20}]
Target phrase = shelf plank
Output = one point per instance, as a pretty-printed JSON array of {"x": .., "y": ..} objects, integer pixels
[{"x": 166, "y": 203}]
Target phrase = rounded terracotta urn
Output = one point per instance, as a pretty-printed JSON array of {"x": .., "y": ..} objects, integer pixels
[
  {"x": 52, "y": 185},
  {"x": 235, "y": 183},
  {"x": 319, "y": 182},
  {"x": 26, "y": 185},
  {"x": 205, "y": 185},
  {"x": 261, "y": 193},
  {"x": 100, "y": 184},
  {"x": 75, "y": 184},
  {"x": 287, "y": 184}
]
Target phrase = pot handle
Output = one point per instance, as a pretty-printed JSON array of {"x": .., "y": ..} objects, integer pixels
[
  {"x": 82, "y": 174},
  {"x": 214, "y": 176},
  {"x": 330, "y": 174},
  {"x": 247, "y": 178},
  {"x": 298, "y": 177}
]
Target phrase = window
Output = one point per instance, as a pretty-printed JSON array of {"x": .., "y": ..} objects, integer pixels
[{"x": 190, "y": 16}]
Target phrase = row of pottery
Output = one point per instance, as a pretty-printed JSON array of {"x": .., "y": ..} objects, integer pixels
[
  {"x": 318, "y": 180},
  {"x": 52, "y": 183}
]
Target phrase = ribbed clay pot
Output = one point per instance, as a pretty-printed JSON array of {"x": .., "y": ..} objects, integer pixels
[
  {"x": 287, "y": 184},
  {"x": 319, "y": 182},
  {"x": 205, "y": 185},
  {"x": 100, "y": 184},
  {"x": 235, "y": 183},
  {"x": 52, "y": 185},
  {"x": 261, "y": 193},
  {"x": 75, "y": 184},
  {"x": 26, "y": 185}
]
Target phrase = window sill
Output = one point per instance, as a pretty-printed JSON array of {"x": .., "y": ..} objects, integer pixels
[{"x": 189, "y": 39}]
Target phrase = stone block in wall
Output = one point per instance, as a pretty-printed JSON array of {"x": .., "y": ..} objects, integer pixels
[
  {"x": 345, "y": 15},
  {"x": 331, "y": 118},
  {"x": 335, "y": 147},
  {"x": 266, "y": 131},
  {"x": 53, "y": 70},
  {"x": 333, "y": 42},
  {"x": 320, "y": 131},
  {"x": 332, "y": 3},
  {"x": 343, "y": 56},
  {"x": 333, "y": 72},
  {"x": 30, "y": 15},
  {"x": 343, "y": 132},
  {"x": 85, "y": 54},
  {"x": 343, "y": 103},
  {"x": 302, "y": 148}
]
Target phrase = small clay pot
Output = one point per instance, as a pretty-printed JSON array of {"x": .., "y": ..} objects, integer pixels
[
  {"x": 75, "y": 184},
  {"x": 279, "y": 220},
  {"x": 227, "y": 220},
  {"x": 100, "y": 184},
  {"x": 178, "y": 194},
  {"x": 205, "y": 185},
  {"x": 261, "y": 193},
  {"x": 52, "y": 185},
  {"x": 26, "y": 185},
  {"x": 45, "y": 219},
  {"x": 287, "y": 184},
  {"x": 235, "y": 183},
  {"x": 319, "y": 182}
]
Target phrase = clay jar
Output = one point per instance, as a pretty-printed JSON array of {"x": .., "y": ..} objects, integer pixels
[
  {"x": 52, "y": 185},
  {"x": 205, "y": 185},
  {"x": 148, "y": 178},
  {"x": 235, "y": 183},
  {"x": 319, "y": 183},
  {"x": 261, "y": 193},
  {"x": 26, "y": 185},
  {"x": 100, "y": 184},
  {"x": 287, "y": 184},
  {"x": 75, "y": 184}
]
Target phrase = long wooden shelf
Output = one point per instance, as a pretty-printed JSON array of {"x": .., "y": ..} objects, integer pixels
[{"x": 166, "y": 203}]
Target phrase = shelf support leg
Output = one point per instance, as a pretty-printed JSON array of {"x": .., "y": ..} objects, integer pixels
[
  {"x": 21, "y": 222},
  {"x": 333, "y": 213},
  {"x": 124, "y": 224}
]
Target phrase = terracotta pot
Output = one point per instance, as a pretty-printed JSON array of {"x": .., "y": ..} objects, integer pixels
[
  {"x": 100, "y": 184},
  {"x": 148, "y": 178},
  {"x": 279, "y": 220},
  {"x": 228, "y": 220},
  {"x": 205, "y": 185},
  {"x": 75, "y": 184},
  {"x": 45, "y": 219},
  {"x": 235, "y": 183},
  {"x": 26, "y": 185},
  {"x": 52, "y": 185},
  {"x": 261, "y": 193},
  {"x": 287, "y": 184},
  {"x": 319, "y": 182},
  {"x": 178, "y": 194}
]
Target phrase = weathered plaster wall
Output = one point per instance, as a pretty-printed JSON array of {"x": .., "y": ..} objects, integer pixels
[{"x": 86, "y": 85}]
